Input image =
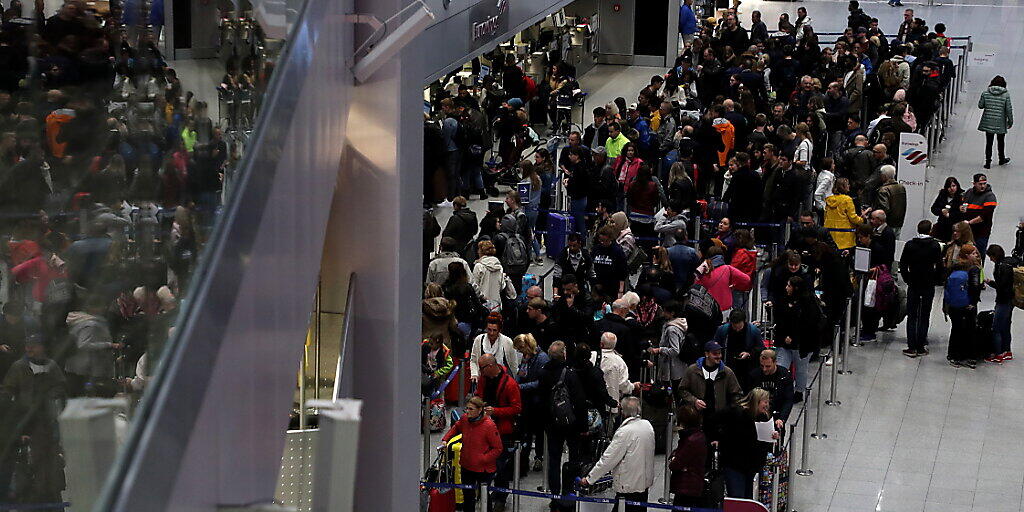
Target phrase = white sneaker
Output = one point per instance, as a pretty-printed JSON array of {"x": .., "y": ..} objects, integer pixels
[{"x": 444, "y": 204}]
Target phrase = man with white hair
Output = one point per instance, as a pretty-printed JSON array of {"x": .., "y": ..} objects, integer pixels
[
  {"x": 891, "y": 199},
  {"x": 627, "y": 335},
  {"x": 629, "y": 457},
  {"x": 616, "y": 373}
]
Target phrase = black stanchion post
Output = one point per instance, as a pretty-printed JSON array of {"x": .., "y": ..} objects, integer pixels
[
  {"x": 843, "y": 370},
  {"x": 804, "y": 470},
  {"x": 860, "y": 311},
  {"x": 832, "y": 401}
]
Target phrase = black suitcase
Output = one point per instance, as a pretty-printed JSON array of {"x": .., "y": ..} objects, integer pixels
[
  {"x": 656, "y": 409},
  {"x": 983, "y": 335}
]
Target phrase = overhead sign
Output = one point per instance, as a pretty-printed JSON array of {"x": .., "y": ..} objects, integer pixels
[
  {"x": 488, "y": 20},
  {"x": 911, "y": 172}
]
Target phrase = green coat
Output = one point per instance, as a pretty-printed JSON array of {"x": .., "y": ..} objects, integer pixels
[{"x": 998, "y": 112}]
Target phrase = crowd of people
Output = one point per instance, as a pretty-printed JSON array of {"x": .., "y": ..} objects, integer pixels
[
  {"x": 110, "y": 178},
  {"x": 775, "y": 140}
]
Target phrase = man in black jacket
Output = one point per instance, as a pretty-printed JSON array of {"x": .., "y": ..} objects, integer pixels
[
  {"x": 558, "y": 368},
  {"x": 627, "y": 332},
  {"x": 919, "y": 266},
  {"x": 745, "y": 191},
  {"x": 574, "y": 260},
  {"x": 462, "y": 226},
  {"x": 774, "y": 379},
  {"x": 1003, "y": 283}
]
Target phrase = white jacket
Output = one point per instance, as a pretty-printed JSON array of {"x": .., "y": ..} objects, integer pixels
[
  {"x": 489, "y": 277},
  {"x": 504, "y": 352},
  {"x": 824, "y": 188},
  {"x": 629, "y": 457},
  {"x": 616, "y": 373}
]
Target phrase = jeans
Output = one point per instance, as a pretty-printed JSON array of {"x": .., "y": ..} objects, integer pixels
[
  {"x": 452, "y": 163},
  {"x": 471, "y": 177},
  {"x": 1001, "y": 137},
  {"x": 960, "y": 334},
  {"x": 919, "y": 310},
  {"x": 982, "y": 244},
  {"x": 531, "y": 222},
  {"x": 578, "y": 209},
  {"x": 1001, "y": 328},
  {"x": 631, "y": 496},
  {"x": 738, "y": 484},
  {"x": 787, "y": 357}
]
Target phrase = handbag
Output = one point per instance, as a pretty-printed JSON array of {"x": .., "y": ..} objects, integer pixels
[{"x": 869, "y": 293}]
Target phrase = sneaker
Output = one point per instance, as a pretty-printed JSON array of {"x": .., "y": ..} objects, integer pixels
[
  {"x": 538, "y": 465},
  {"x": 444, "y": 204},
  {"x": 1006, "y": 356},
  {"x": 988, "y": 165},
  {"x": 1004, "y": 161},
  {"x": 954, "y": 363},
  {"x": 923, "y": 352},
  {"x": 971, "y": 363},
  {"x": 910, "y": 353},
  {"x": 994, "y": 359},
  {"x": 866, "y": 337},
  {"x": 898, "y": 4}
]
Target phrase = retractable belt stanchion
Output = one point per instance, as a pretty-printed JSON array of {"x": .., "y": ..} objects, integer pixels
[
  {"x": 544, "y": 484},
  {"x": 462, "y": 380},
  {"x": 755, "y": 297},
  {"x": 666, "y": 496},
  {"x": 804, "y": 470},
  {"x": 860, "y": 311},
  {"x": 832, "y": 401},
  {"x": 817, "y": 434},
  {"x": 517, "y": 474},
  {"x": 846, "y": 338}
]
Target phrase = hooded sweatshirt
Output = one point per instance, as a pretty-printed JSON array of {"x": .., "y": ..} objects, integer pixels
[
  {"x": 93, "y": 357},
  {"x": 673, "y": 342},
  {"x": 981, "y": 204},
  {"x": 490, "y": 279},
  {"x": 720, "y": 279}
]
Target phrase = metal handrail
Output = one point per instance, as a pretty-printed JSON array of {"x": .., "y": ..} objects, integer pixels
[{"x": 345, "y": 389}]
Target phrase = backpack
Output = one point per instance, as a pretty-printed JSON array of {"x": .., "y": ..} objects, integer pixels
[
  {"x": 515, "y": 258},
  {"x": 469, "y": 137},
  {"x": 885, "y": 291},
  {"x": 1018, "y": 287},
  {"x": 562, "y": 412},
  {"x": 956, "y": 295},
  {"x": 888, "y": 73}
]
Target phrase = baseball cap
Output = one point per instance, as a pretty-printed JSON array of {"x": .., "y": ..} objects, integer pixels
[{"x": 712, "y": 346}]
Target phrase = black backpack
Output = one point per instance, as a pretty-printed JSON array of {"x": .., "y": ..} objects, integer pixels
[{"x": 562, "y": 412}]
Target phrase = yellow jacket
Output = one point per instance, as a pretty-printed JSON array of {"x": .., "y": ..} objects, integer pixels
[{"x": 840, "y": 214}]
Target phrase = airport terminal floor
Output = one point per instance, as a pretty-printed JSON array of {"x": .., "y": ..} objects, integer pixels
[{"x": 911, "y": 434}]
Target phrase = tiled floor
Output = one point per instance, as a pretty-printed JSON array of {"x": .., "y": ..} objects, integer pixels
[{"x": 912, "y": 435}]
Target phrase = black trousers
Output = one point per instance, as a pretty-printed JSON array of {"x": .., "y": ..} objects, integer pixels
[
  {"x": 961, "y": 333},
  {"x": 631, "y": 496},
  {"x": 469, "y": 495},
  {"x": 1001, "y": 137}
]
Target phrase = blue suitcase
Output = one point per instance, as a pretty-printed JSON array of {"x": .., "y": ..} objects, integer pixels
[{"x": 559, "y": 227}]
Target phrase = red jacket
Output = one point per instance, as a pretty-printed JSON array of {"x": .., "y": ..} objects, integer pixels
[
  {"x": 481, "y": 444},
  {"x": 721, "y": 281},
  {"x": 38, "y": 270},
  {"x": 745, "y": 260},
  {"x": 509, "y": 403}
]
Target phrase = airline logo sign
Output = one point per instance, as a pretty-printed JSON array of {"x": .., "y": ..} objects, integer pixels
[
  {"x": 488, "y": 19},
  {"x": 911, "y": 172}
]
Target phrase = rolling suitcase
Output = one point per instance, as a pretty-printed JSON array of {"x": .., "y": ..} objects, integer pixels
[
  {"x": 983, "y": 334},
  {"x": 559, "y": 227}
]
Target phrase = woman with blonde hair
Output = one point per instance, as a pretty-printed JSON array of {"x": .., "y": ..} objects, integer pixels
[
  {"x": 961, "y": 236},
  {"x": 960, "y": 302},
  {"x": 528, "y": 377},
  {"x": 533, "y": 205},
  {"x": 742, "y": 454}
]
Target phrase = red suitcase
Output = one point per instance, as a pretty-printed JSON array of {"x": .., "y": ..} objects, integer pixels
[{"x": 442, "y": 500}]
